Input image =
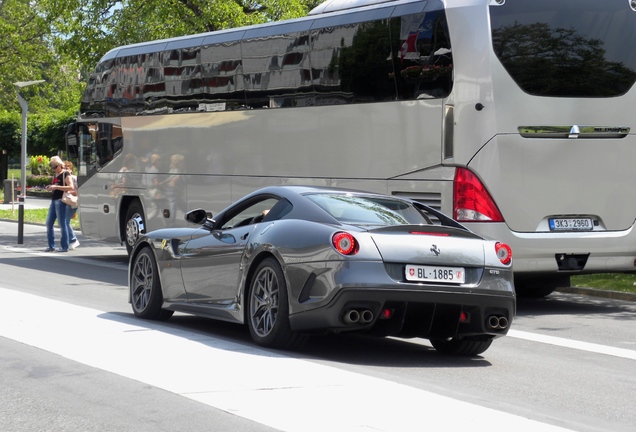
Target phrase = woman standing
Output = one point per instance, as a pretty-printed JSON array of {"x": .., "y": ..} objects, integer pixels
[
  {"x": 70, "y": 211},
  {"x": 57, "y": 210}
]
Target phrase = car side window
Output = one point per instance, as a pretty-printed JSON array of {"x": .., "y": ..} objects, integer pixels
[
  {"x": 253, "y": 213},
  {"x": 278, "y": 211}
]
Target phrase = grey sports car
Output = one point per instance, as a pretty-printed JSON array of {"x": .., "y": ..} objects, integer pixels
[{"x": 293, "y": 260}]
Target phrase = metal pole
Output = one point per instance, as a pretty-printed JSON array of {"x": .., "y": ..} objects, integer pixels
[{"x": 23, "y": 155}]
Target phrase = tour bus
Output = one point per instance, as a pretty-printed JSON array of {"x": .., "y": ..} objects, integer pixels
[{"x": 513, "y": 116}]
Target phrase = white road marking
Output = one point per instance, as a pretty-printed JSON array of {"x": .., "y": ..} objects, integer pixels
[
  {"x": 278, "y": 391},
  {"x": 574, "y": 344}
]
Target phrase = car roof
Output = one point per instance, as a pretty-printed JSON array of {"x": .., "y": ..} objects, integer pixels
[{"x": 302, "y": 190}]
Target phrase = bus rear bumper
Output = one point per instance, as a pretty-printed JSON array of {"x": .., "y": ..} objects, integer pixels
[{"x": 571, "y": 252}]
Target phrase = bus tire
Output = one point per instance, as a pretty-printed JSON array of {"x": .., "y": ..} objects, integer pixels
[
  {"x": 539, "y": 286},
  {"x": 135, "y": 225}
]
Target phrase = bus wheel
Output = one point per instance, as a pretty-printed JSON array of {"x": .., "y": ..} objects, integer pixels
[
  {"x": 135, "y": 225},
  {"x": 539, "y": 287}
]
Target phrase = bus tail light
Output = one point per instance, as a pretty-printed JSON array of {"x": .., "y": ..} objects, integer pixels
[
  {"x": 471, "y": 200},
  {"x": 345, "y": 243},
  {"x": 504, "y": 253}
]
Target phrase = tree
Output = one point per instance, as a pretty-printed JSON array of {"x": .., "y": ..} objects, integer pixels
[
  {"x": 90, "y": 28},
  {"x": 26, "y": 54},
  {"x": 61, "y": 41}
]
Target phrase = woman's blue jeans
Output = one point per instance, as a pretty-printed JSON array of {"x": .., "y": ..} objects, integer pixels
[
  {"x": 70, "y": 212},
  {"x": 57, "y": 211}
]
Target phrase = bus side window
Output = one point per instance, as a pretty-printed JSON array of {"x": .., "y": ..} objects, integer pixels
[{"x": 422, "y": 56}]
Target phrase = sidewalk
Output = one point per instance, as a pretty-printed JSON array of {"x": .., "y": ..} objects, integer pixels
[
  {"x": 34, "y": 240},
  {"x": 34, "y": 235},
  {"x": 29, "y": 203}
]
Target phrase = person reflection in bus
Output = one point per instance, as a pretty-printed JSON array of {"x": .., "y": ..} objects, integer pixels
[
  {"x": 62, "y": 182},
  {"x": 153, "y": 184},
  {"x": 174, "y": 185},
  {"x": 129, "y": 164}
]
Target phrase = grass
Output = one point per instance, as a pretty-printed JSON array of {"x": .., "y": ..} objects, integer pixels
[
  {"x": 33, "y": 216},
  {"x": 622, "y": 282}
]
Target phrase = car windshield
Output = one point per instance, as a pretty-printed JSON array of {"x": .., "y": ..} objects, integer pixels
[{"x": 368, "y": 210}]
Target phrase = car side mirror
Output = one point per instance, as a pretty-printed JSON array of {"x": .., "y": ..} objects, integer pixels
[{"x": 198, "y": 216}]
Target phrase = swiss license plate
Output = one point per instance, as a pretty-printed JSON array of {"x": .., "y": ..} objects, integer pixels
[
  {"x": 571, "y": 224},
  {"x": 435, "y": 274}
]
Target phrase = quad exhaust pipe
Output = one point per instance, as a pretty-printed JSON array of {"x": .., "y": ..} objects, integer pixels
[
  {"x": 354, "y": 316},
  {"x": 496, "y": 322}
]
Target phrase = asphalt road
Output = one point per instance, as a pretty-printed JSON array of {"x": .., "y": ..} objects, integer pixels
[{"x": 72, "y": 357}]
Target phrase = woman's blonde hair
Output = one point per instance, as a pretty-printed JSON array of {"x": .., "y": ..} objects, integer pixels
[
  {"x": 69, "y": 166},
  {"x": 56, "y": 160}
]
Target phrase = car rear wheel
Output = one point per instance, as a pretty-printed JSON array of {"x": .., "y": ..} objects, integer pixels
[
  {"x": 461, "y": 347},
  {"x": 268, "y": 308},
  {"x": 145, "y": 288}
]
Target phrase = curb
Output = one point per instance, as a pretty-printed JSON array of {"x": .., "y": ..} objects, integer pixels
[{"x": 614, "y": 295}]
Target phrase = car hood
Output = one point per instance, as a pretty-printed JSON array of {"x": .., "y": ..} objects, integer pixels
[{"x": 430, "y": 245}]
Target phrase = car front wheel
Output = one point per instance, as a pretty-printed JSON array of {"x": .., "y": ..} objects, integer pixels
[
  {"x": 268, "y": 308},
  {"x": 145, "y": 288},
  {"x": 461, "y": 347}
]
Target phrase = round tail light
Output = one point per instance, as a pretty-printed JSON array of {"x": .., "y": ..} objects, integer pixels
[
  {"x": 345, "y": 243},
  {"x": 504, "y": 253}
]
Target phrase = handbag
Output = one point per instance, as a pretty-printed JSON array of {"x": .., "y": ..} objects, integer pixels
[{"x": 70, "y": 199}]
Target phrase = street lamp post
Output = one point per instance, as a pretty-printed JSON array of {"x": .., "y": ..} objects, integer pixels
[{"x": 23, "y": 155}]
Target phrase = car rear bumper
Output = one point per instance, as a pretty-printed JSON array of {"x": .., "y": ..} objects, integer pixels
[{"x": 431, "y": 313}]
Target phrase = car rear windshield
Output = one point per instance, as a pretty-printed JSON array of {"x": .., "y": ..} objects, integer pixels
[
  {"x": 368, "y": 210},
  {"x": 567, "y": 48}
]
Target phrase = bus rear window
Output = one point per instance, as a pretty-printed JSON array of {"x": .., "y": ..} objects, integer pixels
[{"x": 567, "y": 48}]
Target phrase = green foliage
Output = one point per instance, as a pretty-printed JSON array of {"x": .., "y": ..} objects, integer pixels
[
  {"x": 10, "y": 132},
  {"x": 46, "y": 131},
  {"x": 61, "y": 41},
  {"x": 91, "y": 28},
  {"x": 39, "y": 165},
  {"x": 39, "y": 180},
  {"x": 27, "y": 53},
  {"x": 622, "y": 282},
  {"x": 35, "y": 216}
]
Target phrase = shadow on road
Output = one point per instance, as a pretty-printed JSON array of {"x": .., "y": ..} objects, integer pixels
[
  {"x": 572, "y": 304},
  {"x": 343, "y": 348}
]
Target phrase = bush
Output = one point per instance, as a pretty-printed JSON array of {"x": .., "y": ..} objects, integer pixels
[
  {"x": 39, "y": 165},
  {"x": 39, "y": 180}
]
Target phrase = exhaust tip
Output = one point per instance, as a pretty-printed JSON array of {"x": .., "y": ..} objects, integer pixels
[
  {"x": 497, "y": 322},
  {"x": 366, "y": 316},
  {"x": 357, "y": 316},
  {"x": 351, "y": 316},
  {"x": 503, "y": 322}
]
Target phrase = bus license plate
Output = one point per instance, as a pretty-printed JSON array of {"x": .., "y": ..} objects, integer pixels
[
  {"x": 571, "y": 224},
  {"x": 435, "y": 274}
]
